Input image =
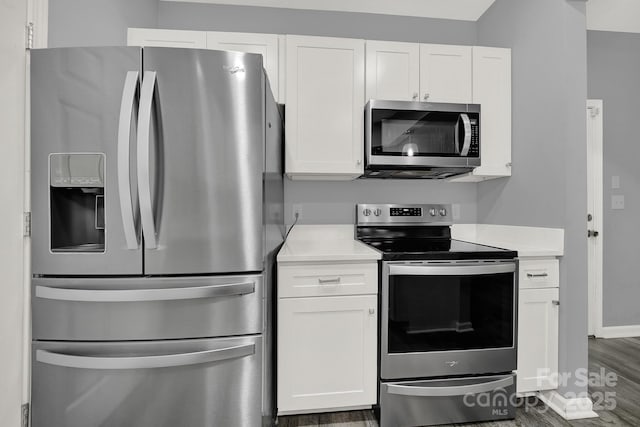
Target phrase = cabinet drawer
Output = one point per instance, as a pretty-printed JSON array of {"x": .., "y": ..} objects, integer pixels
[
  {"x": 538, "y": 273},
  {"x": 325, "y": 280}
]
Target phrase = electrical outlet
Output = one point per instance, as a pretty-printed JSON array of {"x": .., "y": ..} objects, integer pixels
[
  {"x": 296, "y": 212},
  {"x": 455, "y": 211}
]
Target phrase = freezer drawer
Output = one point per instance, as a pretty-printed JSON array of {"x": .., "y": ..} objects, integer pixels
[
  {"x": 195, "y": 383},
  {"x": 447, "y": 401},
  {"x": 120, "y": 309}
]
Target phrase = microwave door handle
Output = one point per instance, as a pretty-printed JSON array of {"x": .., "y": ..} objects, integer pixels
[
  {"x": 143, "y": 153},
  {"x": 129, "y": 95},
  {"x": 464, "y": 151}
]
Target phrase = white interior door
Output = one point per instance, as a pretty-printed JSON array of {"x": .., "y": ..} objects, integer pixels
[{"x": 595, "y": 213}]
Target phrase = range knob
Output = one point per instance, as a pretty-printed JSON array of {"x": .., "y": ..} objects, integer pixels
[
  {"x": 432, "y": 212},
  {"x": 443, "y": 212},
  {"x": 366, "y": 212},
  {"x": 377, "y": 212}
]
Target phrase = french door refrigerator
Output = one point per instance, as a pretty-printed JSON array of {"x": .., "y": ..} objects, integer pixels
[{"x": 156, "y": 213}]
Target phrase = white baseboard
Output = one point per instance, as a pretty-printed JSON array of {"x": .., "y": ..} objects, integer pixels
[
  {"x": 569, "y": 409},
  {"x": 619, "y": 331}
]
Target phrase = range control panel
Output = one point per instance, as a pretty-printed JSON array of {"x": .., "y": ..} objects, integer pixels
[
  {"x": 405, "y": 211},
  {"x": 403, "y": 214}
]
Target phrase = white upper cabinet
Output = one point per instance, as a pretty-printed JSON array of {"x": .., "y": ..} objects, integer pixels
[
  {"x": 166, "y": 38},
  {"x": 492, "y": 90},
  {"x": 325, "y": 101},
  {"x": 323, "y": 82},
  {"x": 445, "y": 73},
  {"x": 263, "y": 44},
  {"x": 392, "y": 71}
]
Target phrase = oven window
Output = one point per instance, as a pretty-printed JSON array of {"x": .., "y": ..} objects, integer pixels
[
  {"x": 415, "y": 133},
  {"x": 440, "y": 313}
]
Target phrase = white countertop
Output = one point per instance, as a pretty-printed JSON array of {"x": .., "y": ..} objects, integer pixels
[
  {"x": 336, "y": 243},
  {"x": 309, "y": 243},
  {"x": 528, "y": 241}
]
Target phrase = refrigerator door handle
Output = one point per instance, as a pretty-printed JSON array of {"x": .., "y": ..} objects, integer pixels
[
  {"x": 129, "y": 295},
  {"x": 144, "y": 169},
  {"x": 129, "y": 94},
  {"x": 144, "y": 362}
]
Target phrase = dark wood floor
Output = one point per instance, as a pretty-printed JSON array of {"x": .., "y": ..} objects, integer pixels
[{"x": 620, "y": 356}]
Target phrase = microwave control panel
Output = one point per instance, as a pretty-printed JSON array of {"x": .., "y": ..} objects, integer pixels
[{"x": 474, "y": 147}]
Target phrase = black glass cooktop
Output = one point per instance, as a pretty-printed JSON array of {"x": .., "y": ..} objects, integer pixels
[{"x": 426, "y": 243}]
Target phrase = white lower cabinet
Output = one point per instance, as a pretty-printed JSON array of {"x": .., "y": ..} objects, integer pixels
[
  {"x": 327, "y": 345},
  {"x": 538, "y": 310},
  {"x": 326, "y": 352}
]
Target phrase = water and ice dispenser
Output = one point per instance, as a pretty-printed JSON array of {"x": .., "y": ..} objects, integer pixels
[{"x": 76, "y": 202}]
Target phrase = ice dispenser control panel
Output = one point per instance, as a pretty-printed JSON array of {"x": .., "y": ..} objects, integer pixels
[{"x": 77, "y": 169}]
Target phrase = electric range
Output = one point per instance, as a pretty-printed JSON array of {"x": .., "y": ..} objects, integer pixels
[{"x": 448, "y": 316}]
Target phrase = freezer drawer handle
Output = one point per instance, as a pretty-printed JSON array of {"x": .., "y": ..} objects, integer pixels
[
  {"x": 452, "y": 270},
  {"x": 144, "y": 362},
  {"x": 129, "y": 95},
  {"x": 197, "y": 292},
  {"x": 143, "y": 153},
  {"x": 407, "y": 390}
]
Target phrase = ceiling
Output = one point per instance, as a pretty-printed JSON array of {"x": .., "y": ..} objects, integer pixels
[{"x": 603, "y": 15}]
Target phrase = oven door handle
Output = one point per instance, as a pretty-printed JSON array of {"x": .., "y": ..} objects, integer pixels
[
  {"x": 450, "y": 270},
  {"x": 410, "y": 390}
]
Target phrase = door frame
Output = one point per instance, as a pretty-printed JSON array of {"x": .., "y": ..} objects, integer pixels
[
  {"x": 38, "y": 16},
  {"x": 595, "y": 207}
]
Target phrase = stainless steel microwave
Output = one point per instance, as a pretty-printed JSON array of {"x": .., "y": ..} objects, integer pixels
[{"x": 405, "y": 139}]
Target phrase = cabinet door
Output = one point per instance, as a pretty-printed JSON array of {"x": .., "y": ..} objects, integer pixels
[
  {"x": 392, "y": 71},
  {"x": 327, "y": 352},
  {"x": 264, "y": 44},
  {"x": 492, "y": 90},
  {"x": 166, "y": 38},
  {"x": 537, "y": 340},
  {"x": 445, "y": 73},
  {"x": 325, "y": 101}
]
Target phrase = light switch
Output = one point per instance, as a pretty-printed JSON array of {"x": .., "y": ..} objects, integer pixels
[
  {"x": 617, "y": 201},
  {"x": 615, "y": 181}
]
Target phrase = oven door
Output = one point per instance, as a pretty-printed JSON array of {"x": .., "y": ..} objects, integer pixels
[{"x": 451, "y": 318}]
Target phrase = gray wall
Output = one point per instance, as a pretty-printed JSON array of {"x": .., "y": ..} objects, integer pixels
[
  {"x": 613, "y": 68},
  {"x": 548, "y": 188},
  {"x": 197, "y": 16},
  {"x": 333, "y": 202},
  {"x": 97, "y": 22}
]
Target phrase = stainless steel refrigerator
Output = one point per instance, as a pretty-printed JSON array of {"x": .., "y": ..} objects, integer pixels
[{"x": 157, "y": 209}]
